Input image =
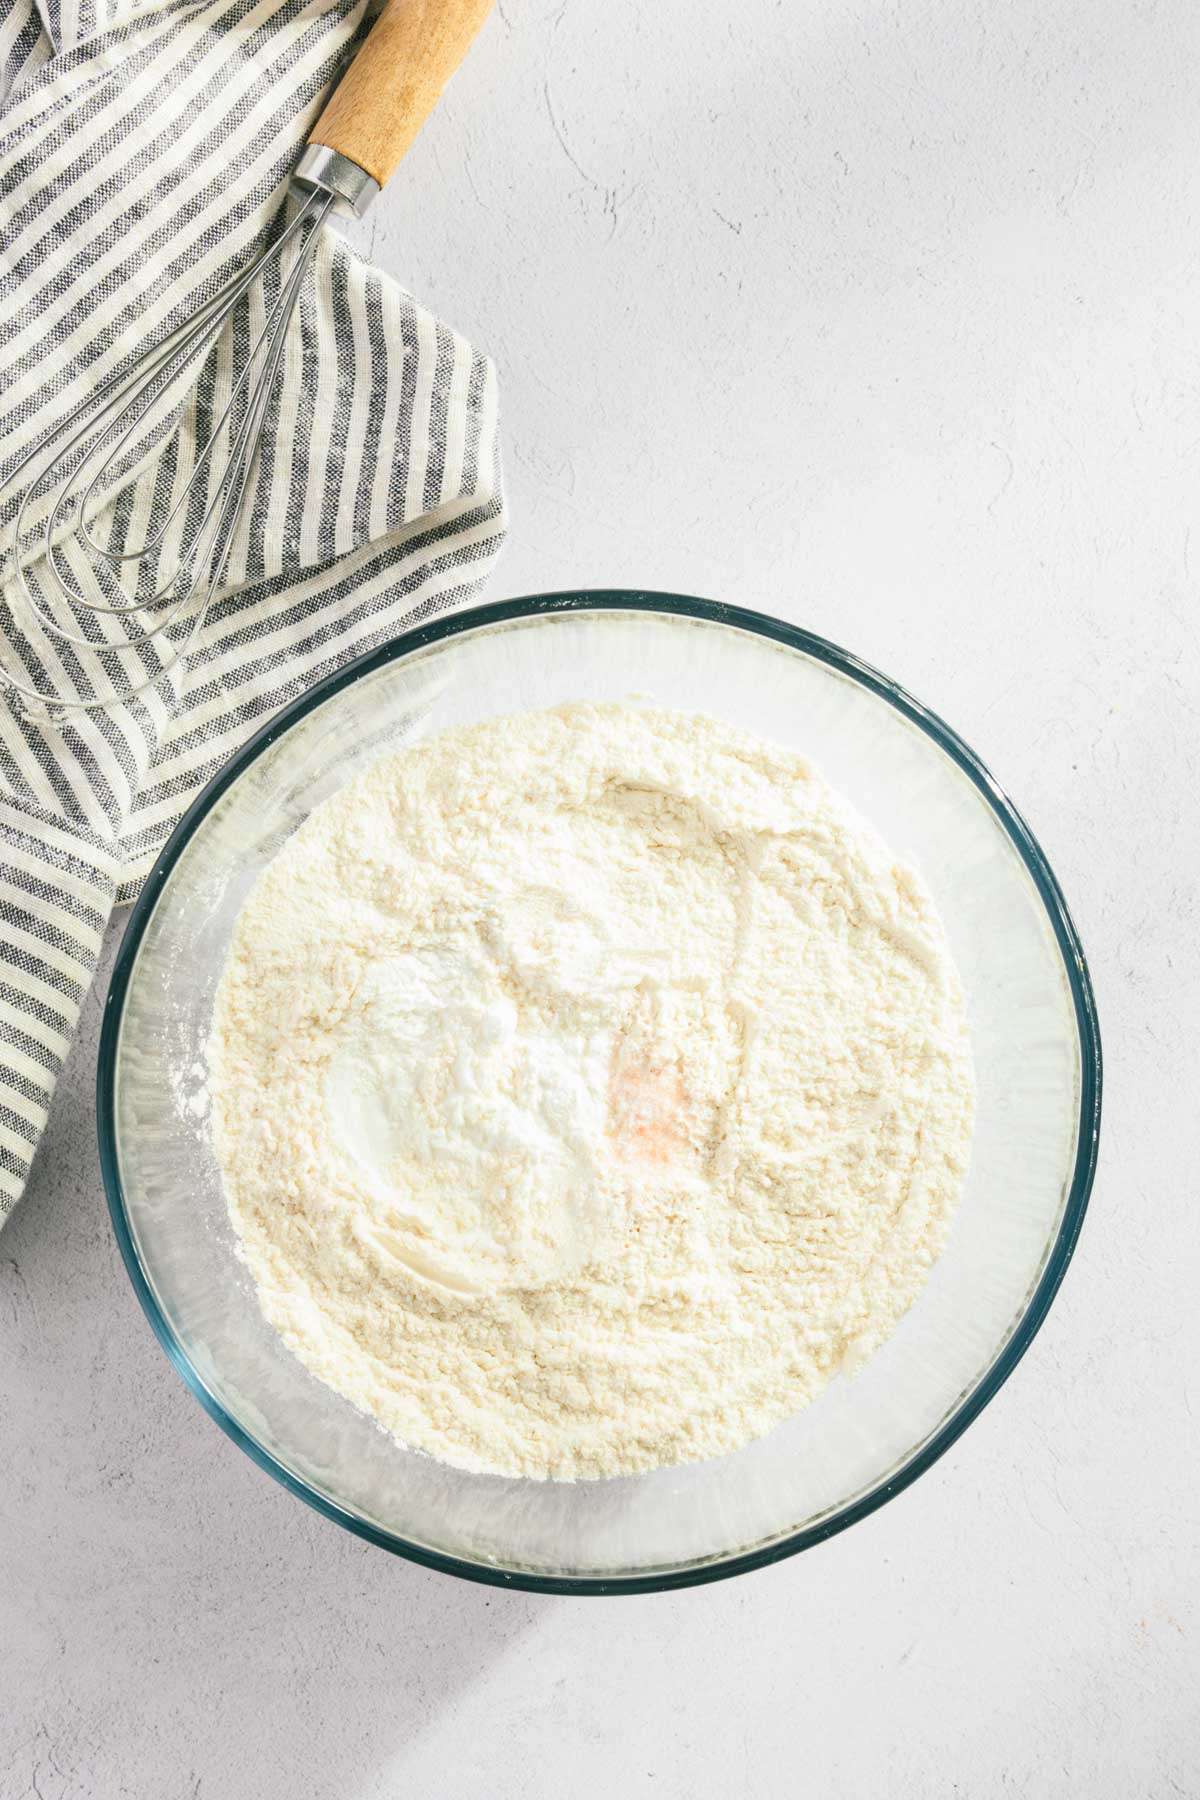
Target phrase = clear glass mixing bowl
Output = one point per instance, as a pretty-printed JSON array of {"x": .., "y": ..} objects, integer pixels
[{"x": 1036, "y": 1048}]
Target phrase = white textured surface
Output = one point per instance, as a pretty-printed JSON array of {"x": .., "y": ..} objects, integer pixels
[{"x": 883, "y": 317}]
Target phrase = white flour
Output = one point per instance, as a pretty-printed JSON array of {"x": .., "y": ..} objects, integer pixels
[{"x": 589, "y": 1087}]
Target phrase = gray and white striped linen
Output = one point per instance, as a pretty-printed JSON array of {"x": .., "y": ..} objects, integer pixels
[{"x": 144, "y": 151}]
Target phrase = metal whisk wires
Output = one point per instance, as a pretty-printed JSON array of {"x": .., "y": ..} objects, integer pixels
[{"x": 72, "y": 472}]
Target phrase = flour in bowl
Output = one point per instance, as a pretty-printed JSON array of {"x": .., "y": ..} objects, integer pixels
[{"x": 590, "y": 1087}]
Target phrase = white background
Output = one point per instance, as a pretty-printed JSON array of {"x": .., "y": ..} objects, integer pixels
[{"x": 883, "y": 317}]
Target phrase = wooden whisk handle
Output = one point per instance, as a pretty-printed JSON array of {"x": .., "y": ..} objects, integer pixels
[{"x": 394, "y": 82}]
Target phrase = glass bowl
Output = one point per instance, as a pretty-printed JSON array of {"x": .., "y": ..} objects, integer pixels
[{"x": 1036, "y": 1047}]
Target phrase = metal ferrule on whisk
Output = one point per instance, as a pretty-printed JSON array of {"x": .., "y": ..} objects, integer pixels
[{"x": 332, "y": 173}]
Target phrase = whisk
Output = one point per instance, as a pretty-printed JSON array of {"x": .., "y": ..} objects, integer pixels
[{"x": 365, "y": 129}]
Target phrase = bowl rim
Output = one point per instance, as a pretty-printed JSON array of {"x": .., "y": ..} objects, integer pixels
[{"x": 601, "y": 600}]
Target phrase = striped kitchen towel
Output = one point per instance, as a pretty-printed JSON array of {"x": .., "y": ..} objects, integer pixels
[{"x": 144, "y": 152}]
